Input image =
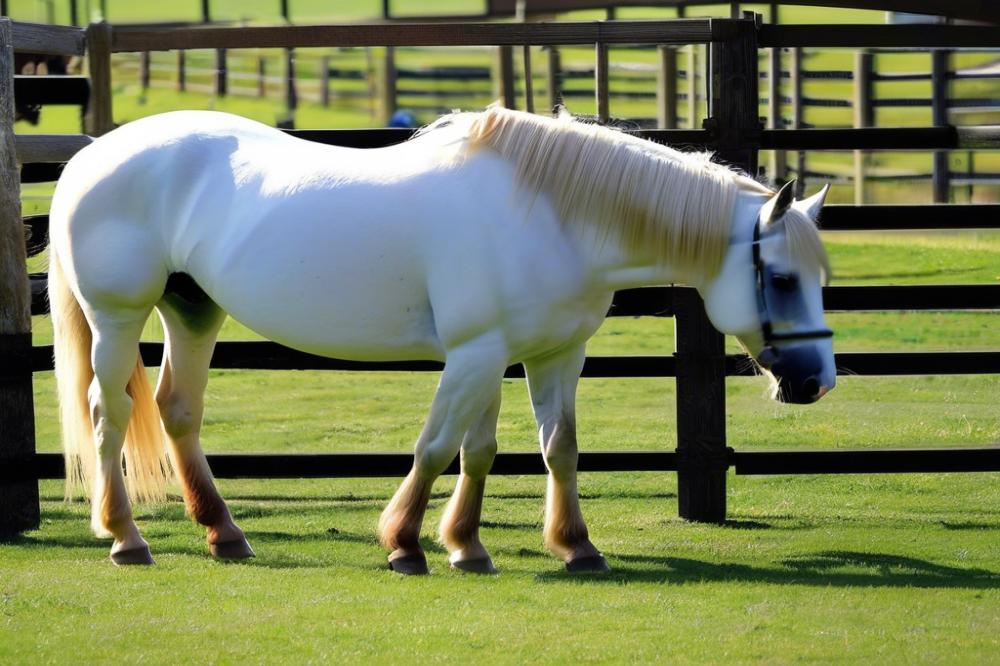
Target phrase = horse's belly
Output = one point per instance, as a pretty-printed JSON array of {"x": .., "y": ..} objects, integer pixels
[
  {"x": 340, "y": 329},
  {"x": 346, "y": 299}
]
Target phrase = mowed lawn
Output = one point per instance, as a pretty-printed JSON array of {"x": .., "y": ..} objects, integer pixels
[
  {"x": 898, "y": 568},
  {"x": 888, "y": 569}
]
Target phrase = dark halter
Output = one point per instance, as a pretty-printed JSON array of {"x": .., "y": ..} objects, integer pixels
[{"x": 765, "y": 318}]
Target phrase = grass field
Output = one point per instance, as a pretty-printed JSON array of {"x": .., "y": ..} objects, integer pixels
[{"x": 886, "y": 569}]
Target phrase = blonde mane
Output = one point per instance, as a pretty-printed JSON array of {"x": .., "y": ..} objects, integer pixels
[{"x": 646, "y": 195}]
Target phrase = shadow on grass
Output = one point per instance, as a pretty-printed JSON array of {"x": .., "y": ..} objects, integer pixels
[
  {"x": 509, "y": 525},
  {"x": 819, "y": 569}
]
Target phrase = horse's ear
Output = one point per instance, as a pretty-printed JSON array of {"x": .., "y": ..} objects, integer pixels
[
  {"x": 814, "y": 204},
  {"x": 781, "y": 202}
]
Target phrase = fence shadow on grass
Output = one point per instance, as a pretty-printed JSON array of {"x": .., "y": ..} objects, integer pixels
[{"x": 817, "y": 570}]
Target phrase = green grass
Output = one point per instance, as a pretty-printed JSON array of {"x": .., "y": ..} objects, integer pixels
[
  {"x": 894, "y": 570},
  {"x": 886, "y": 569}
]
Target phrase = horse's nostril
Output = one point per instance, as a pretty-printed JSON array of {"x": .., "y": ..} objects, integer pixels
[{"x": 810, "y": 387}]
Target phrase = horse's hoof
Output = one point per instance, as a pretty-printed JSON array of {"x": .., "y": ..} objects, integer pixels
[
  {"x": 140, "y": 555},
  {"x": 412, "y": 564},
  {"x": 479, "y": 565},
  {"x": 237, "y": 549},
  {"x": 589, "y": 564}
]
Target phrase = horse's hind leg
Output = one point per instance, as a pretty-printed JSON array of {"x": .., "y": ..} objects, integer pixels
[
  {"x": 191, "y": 329},
  {"x": 116, "y": 342},
  {"x": 552, "y": 384},
  {"x": 469, "y": 384},
  {"x": 460, "y": 521}
]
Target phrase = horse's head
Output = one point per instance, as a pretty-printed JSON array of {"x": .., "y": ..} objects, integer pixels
[{"x": 769, "y": 294}]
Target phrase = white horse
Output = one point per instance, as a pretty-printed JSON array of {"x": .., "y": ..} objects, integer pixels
[{"x": 489, "y": 239}]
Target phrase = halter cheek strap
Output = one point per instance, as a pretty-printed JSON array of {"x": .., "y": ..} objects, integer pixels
[{"x": 763, "y": 313}]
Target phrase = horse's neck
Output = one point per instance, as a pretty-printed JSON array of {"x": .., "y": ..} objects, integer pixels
[{"x": 616, "y": 267}]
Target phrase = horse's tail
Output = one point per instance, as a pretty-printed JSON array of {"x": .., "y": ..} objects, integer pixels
[{"x": 146, "y": 464}]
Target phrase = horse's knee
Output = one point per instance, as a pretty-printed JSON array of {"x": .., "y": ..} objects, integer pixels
[
  {"x": 560, "y": 451},
  {"x": 477, "y": 456},
  {"x": 432, "y": 460}
]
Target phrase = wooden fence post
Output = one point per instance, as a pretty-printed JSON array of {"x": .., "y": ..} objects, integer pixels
[
  {"x": 666, "y": 89},
  {"x": 795, "y": 73},
  {"x": 779, "y": 159},
  {"x": 701, "y": 411},
  {"x": 863, "y": 117},
  {"x": 291, "y": 94},
  {"x": 261, "y": 76},
  {"x": 702, "y": 456},
  {"x": 505, "y": 76},
  {"x": 181, "y": 70},
  {"x": 940, "y": 59},
  {"x": 324, "y": 80},
  {"x": 221, "y": 73},
  {"x": 601, "y": 82},
  {"x": 144, "y": 70},
  {"x": 692, "y": 87},
  {"x": 553, "y": 78},
  {"x": 529, "y": 91},
  {"x": 18, "y": 499},
  {"x": 99, "y": 119},
  {"x": 388, "y": 84}
]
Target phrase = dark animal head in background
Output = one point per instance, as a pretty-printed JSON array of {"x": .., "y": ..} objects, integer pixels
[{"x": 37, "y": 64}]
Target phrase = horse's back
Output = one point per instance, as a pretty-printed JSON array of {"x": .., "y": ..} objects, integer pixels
[{"x": 369, "y": 254}]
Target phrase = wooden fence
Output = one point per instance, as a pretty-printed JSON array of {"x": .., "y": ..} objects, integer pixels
[{"x": 699, "y": 362}]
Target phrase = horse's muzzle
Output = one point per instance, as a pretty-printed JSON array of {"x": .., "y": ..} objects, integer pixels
[{"x": 798, "y": 371}]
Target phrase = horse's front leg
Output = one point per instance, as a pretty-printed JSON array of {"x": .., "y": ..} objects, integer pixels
[
  {"x": 552, "y": 384},
  {"x": 460, "y": 522},
  {"x": 468, "y": 386}
]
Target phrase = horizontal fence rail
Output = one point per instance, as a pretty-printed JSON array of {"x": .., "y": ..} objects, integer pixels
[
  {"x": 59, "y": 148},
  {"x": 260, "y": 355},
  {"x": 658, "y": 301},
  {"x": 862, "y": 36},
  {"x": 48, "y": 39},
  {"x": 687, "y": 31},
  {"x": 374, "y": 465}
]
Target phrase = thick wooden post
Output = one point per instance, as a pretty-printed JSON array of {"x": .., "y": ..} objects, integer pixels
[
  {"x": 291, "y": 94},
  {"x": 700, "y": 349},
  {"x": 98, "y": 119},
  {"x": 18, "y": 499},
  {"x": 940, "y": 59},
  {"x": 388, "y": 84},
  {"x": 181, "y": 70},
  {"x": 505, "y": 76},
  {"x": 144, "y": 70},
  {"x": 553, "y": 77},
  {"x": 863, "y": 117},
  {"x": 221, "y": 73},
  {"x": 666, "y": 89},
  {"x": 795, "y": 72},
  {"x": 324, "y": 80},
  {"x": 601, "y": 82},
  {"x": 701, "y": 412}
]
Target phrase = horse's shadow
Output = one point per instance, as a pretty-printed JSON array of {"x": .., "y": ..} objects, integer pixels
[{"x": 817, "y": 569}]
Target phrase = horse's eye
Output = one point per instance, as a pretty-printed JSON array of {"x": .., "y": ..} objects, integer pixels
[{"x": 783, "y": 282}]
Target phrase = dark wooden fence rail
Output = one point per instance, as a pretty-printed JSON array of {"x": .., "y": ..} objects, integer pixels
[{"x": 700, "y": 363}]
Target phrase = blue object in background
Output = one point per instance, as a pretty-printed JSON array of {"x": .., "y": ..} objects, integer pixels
[{"x": 402, "y": 119}]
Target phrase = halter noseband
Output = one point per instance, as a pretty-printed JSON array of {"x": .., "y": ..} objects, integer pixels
[{"x": 766, "y": 328}]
